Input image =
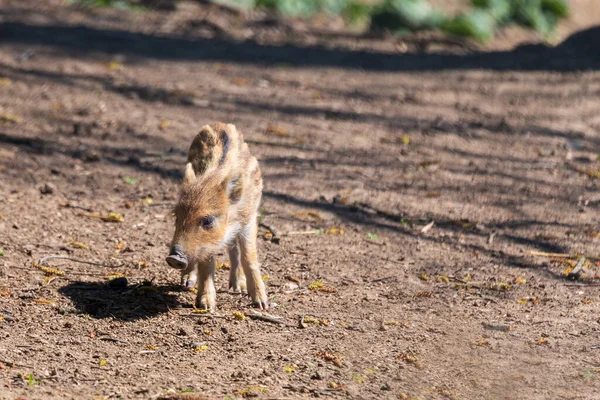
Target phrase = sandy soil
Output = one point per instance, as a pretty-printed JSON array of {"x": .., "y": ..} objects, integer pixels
[{"x": 498, "y": 147}]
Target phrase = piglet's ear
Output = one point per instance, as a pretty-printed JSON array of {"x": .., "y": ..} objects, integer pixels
[{"x": 190, "y": 176}]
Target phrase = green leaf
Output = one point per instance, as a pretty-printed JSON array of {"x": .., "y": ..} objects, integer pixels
[
  {"x": 407, "y": 14},
  {"x": 357, "y": 13},
  {"x": 1, "y": 252},
  {"x": 31, "y": 380},
  {"x": 131, "y": 180},
  {"x": 559, "y": 8},
  {"x": 371, "y": 236},
  {"x": 477, "y": 24}
]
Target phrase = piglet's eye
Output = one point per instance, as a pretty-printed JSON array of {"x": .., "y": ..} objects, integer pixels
[{"x": 207, "y": 222}]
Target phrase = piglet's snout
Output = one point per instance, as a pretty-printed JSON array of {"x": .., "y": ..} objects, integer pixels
[{"x": 177, "y": 258}]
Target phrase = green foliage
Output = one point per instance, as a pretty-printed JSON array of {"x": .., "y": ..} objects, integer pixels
[
  {"x": 121, "y": 4},
  {"x": 405, "y": 16},
  {"x": 477, "y": 24},
  {"x": 31, "y": 381}
]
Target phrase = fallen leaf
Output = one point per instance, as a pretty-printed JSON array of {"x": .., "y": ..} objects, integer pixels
[
  {"x": 316, "y": 285},
  {"x": 111, "y": 217},
  {"x": 120, "y": 246},
  {"x": 114, "y": 65},
  {"x": 335, "y": 231},
  {"x": 482, "y": 342},
  {"x": 5, "y": 82},
  {"x": 240, "y": 316},
  {"x": 289, "y": 369},
  {"x": 542, "y": 341},
  {"x": 44, "y": 301},
  {"x": 151, "y": 346},
  {"x": 48, "y": 270},
  {"x": 277, "y": 131},
  {"x": 164, "y": 125},
  {"x": 519, "y": 281},
  {"x": 265, "y": 277},
  {"x": 500, "y": 286},
  {"x": 102, "y": 362},
  {"x": 424, "y": 277},
  {"x": 423, "y": 294},
  {"x": 114, "y": 275},
  {"x": 14, "y": 119},
  {"x": 198, "y": 349},
  {"x": 310, "y": 215},
  {"x": 131, "y": 180},
  {"x": 329, "y": 356},
  {"x": 410, "y": 359},
  {"x": 240, "y": 81},
  {"x": 371, "y": 236},
  {"x": 223, "y": 265},
  {"x": 80, "y": 245},
  {"x": 1, "y": 252}
]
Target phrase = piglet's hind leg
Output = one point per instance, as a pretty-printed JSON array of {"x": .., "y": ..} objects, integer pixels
[{"x": 249, "y": 259}]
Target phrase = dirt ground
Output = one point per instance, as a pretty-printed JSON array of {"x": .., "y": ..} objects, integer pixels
[{"x": 498, "y": 147}]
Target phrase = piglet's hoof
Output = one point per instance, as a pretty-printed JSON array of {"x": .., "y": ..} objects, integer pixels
[
  {"x": 188, "y": 282},
  {"x": 261, "y": 305}
]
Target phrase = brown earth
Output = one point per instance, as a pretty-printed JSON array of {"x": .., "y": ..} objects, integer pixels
[{"x": 499, "y": 147}]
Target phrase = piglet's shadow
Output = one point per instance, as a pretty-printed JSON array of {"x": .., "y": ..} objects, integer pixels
[{"x": 123, "y": 301}]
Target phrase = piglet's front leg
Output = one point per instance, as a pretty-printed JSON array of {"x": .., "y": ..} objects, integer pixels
[
  {"x": 189, "y": 276},
  {"x": 237, "y": 279},
  {"x": 207, "y": 295}
]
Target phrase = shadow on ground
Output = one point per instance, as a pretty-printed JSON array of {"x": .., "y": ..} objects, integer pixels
[
  {"x": 124, "y": 302},
  {"x": 578, "y": 52}
]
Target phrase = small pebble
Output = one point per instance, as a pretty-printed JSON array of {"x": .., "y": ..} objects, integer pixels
[{"x": 47, "y": 188}]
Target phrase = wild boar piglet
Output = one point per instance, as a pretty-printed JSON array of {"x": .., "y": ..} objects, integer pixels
[{"x": 217, "y": 210}]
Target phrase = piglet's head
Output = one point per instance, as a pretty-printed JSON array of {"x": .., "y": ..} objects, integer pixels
[{"x": 201, "y": 214}]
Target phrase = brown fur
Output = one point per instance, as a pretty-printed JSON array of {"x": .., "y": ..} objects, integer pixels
[{"x": 222, "y": 180}]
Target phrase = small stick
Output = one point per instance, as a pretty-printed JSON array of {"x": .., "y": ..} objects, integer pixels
[
  {"x": 576, "y": 272},
  {"x": 111, "y": 339},
  {"x": 387, "y": 278},
  {"x": 267, "y": 318},
  {"x": 313, "y": 232},
  {"x": 543, "y": 254},
  {"x": 491, "y": 237},
  {"x": 203, "y": 316},
  {"x": 77, "y": 206},
  {"x": 582, "y": 285},
  {"x": 12, "y": 364},
  {"x": 300, "y": 253},
  {"x": 43, "y": 261}
]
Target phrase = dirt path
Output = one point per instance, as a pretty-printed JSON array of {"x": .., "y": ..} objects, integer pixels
[{"x": 499, "y": 149}]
